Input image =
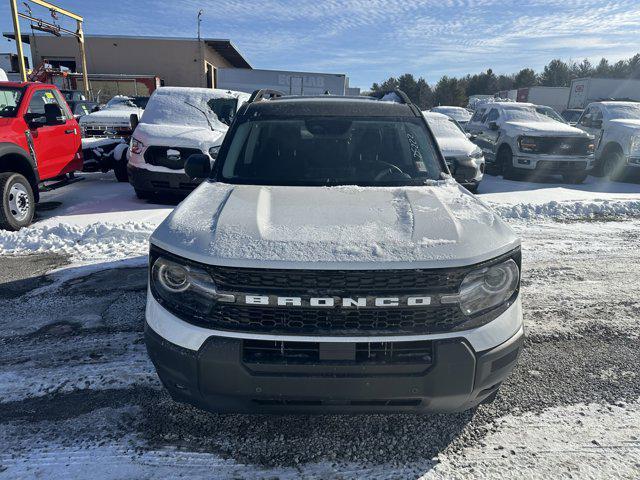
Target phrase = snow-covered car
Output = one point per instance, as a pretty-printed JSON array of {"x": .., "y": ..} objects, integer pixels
[
  {"x": 177, "y": 123},
  {"x": 464, "y": 158},
  {"x": 616, "y": 127},
  {"x": 329, "y": 262},
  {"x": 459, "y": 114},
  {"x": 114, "y": 119},
  {"x": 520, "y": 142}
]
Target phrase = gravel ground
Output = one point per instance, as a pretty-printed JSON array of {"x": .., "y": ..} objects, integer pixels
[{"x": 78, "y": 395}]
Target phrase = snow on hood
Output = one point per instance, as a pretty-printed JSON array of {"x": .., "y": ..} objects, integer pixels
[
  {"x": 456, "y": 146},
  {"x": 631, "y": 123},
  {"x": 545, "y": 128},
  {"x": 334, "y": 227},
  {"x": 112, "y": 116},
  {"x": 179, "y": 136}
]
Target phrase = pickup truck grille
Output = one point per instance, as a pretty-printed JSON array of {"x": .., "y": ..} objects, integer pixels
[
  {"x": 563, "y": 145},
  {"x": 156, "y": 155}
]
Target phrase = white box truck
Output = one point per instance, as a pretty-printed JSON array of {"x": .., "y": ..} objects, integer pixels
[
  {"x": 587, "y": 90},
  {"x": 290, "y": 83},
  {"x": 554, "y": 97}
]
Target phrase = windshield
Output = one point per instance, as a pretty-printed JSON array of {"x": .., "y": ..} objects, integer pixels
[
  {"x": 524, "y": 115},
  {"x": 331, "y": 151},
  {"x": 191, "y": 108},
  {"x": 127, "y": 102},
  {"x": 442, "y": 128},
  {"x": 9, "y": 101},
  {"x": 572, "y": 115},
  {"x": 626, "y": 110},
  {"x": 551, "y": 113}
]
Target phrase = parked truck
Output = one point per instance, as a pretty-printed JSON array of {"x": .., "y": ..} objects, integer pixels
[
  {"x": 587, "y": 90},
  {"x": 291, "y": 83},
  {"x": 554, "y": 97}
]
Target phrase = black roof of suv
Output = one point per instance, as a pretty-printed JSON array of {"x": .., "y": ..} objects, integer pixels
[{"x": 331, "y": 106}]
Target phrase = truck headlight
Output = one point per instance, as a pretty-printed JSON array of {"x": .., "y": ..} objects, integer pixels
[
  {"x": 184, "y": 287},
  {"x": 634, "y": 147},
  {"x": 488, "y": 287},
  {"x": 136, "y": 146},
  {"x": 528, "y": 144}
]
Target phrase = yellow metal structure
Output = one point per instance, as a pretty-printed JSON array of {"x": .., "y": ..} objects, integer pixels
[{"x": 79, "y": 34}]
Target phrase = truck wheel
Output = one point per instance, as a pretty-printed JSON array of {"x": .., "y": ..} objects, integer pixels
[
  {"x": 613, "y": 165},
  {"x": 575, "y": 178},
  {"x": 143, "y": 194},
  {"x": 120, "y": 170},
  {"x": 18, "y": 204},
  {"x": 505, "y": 160}
]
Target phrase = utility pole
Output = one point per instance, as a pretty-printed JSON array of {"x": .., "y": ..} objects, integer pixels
[
  {"x": 16, "y": 31},
  {"x": 200, "y": 12}
]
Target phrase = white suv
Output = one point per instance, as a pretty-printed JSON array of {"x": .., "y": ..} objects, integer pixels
[
  {"x": 330, "y": 263},
  {"x": 176, "y": 123}
]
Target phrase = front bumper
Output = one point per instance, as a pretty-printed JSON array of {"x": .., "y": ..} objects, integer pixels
[
  {"x": 161, "y": 182},
  {"x": 215, "y": 374},
  {"x": 554, "y": 163}
]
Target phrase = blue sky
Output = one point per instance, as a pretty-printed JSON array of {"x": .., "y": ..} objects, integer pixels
[{"x": 370, "y": 40}]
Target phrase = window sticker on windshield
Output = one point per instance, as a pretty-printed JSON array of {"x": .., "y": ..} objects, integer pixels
[{"x": 48, "y": 95}]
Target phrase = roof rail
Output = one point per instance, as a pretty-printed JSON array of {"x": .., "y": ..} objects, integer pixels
[
  {"x": 264, "y": 94},
  {"x": 400, "y": 95}
]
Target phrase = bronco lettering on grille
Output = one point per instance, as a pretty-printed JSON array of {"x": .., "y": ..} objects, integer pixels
[{"x": 332, "y": 302}]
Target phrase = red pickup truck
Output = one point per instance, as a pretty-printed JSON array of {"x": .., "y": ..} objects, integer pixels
[{"x": 40, "y": 140}]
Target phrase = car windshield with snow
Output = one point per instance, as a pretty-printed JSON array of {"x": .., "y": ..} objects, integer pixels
[
  {"x": 177, "y": 123},
  {"x": 523, "y": 140},
  {"x": 464, "y": 159},
  {"x": 328, "y": 248}
]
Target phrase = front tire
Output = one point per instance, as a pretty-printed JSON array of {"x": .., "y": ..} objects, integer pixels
[
  {"x": 120, "y": 171},
  {"x": 18, "y": 203},
  {"x": 505, "y": 160},
  {"x": 575, "y": 178},
  {"x": 613, "y": 166}
]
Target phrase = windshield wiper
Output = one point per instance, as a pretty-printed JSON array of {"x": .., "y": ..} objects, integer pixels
[{"x": 203, "y": 113}]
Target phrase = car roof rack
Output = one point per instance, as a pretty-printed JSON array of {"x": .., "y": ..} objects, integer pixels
[{"x": 264, "y": 94}]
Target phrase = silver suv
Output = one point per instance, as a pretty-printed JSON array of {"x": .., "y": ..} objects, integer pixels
[{"x": 519, "y": 141}]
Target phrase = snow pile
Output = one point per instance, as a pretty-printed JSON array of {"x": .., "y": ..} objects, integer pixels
[
  {"x": 568, "y": 210},
  {"x": 96, "y": 241}
]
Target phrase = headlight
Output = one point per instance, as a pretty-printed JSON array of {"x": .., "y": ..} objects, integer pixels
[
  {"x": 591, "y": 147},
  {"x": 487, "y": 288},
  {"x": 528, "y": 144},
  {"x": 184, "y": 287},
  {"x": 634, "y": 147},
  {"x": 136, "y": 146},
  {"x": 476, "y": 154},
  {"x": 213, "y": 151}
]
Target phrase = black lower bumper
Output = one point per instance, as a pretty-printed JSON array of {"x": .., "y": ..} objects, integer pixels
[
  {"x": 217, "y": 378},
  {"x": 161, "y": 182}
]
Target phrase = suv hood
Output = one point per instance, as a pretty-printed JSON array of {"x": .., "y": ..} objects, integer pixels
[
  {"x": 545, "y": 129},
  {"x": 119, "y": 117},
  {"x": 334, "y": 227},
  {"x": 456, "y": 147},
  {"x": 179, "y": 136}
]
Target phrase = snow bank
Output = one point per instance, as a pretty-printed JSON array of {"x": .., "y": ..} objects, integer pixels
[
  {"x": 569, "y": 210},
  {"x": 96, "y": 241}
]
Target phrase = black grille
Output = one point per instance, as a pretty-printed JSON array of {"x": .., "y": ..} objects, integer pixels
[
  {"x": 336, "y": 281},
  {"x": 155, "y": 155},
  {"x": 563, "y": 145},
  {"x": 330, "y": 321},
  {"x": 365, "y": 353}
]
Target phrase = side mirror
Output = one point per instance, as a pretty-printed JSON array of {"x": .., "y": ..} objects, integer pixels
[
  {"x": 471, "y": 136},
  {"x": 493, "y": 126},
  {"x": 197, "y": 165},
  {"x": 53, "y": 114},
  {"x": 134, "y": 120}
]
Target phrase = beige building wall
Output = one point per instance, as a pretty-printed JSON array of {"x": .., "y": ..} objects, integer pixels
[{"x": 177, "y": 62}]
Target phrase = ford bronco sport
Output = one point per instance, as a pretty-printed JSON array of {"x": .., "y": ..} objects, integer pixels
[{"x": 329, "y": 262}]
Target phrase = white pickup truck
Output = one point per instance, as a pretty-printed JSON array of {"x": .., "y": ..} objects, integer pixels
[{"x": 616, "y": 128}]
